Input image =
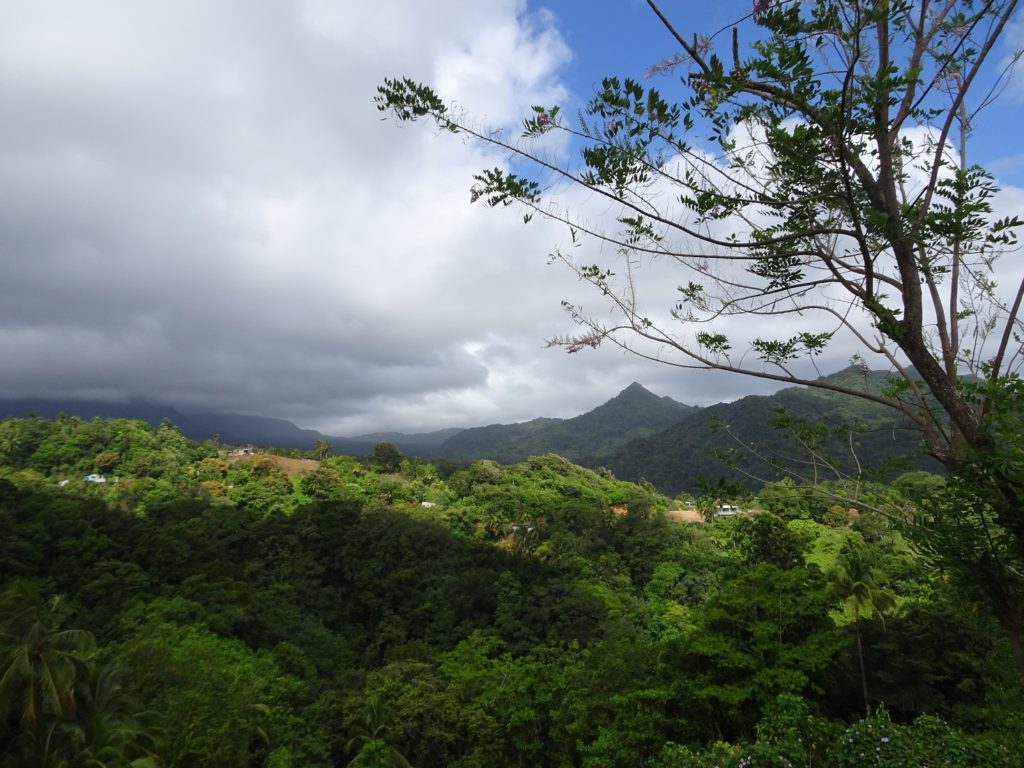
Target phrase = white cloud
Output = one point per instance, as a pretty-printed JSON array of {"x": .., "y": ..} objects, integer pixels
[
  {"x": 505, "y": 70},
  {"x": 200, "y": 204}
]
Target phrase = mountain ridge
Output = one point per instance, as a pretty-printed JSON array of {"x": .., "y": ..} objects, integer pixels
[
  {"x": 588, "y": 438},
  {"x": 636, "y": 434},
  {"x": 676, "y": 459},
  {"x": 634, "y": 411}
]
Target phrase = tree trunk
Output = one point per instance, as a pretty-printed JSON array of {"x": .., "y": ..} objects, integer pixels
[{"x": 863, "y": 670}]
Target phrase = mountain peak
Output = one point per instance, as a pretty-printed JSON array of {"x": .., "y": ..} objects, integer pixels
[
  {"x": 634, "y": 412},
  {"x": 633, "y": 392},
  {"x": 639, "y": 406}
]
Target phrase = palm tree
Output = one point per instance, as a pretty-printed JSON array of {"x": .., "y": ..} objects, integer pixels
[
  {"x": 856, "y": 583},
  {"x": 370, "y": 744},
  {"x": 10, "y": 441},
  {"x": 109, "y": 731},
  {"x": 40, "y": 664}
]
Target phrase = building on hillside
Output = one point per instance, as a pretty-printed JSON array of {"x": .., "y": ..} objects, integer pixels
[{"x": 95, "y": 479}]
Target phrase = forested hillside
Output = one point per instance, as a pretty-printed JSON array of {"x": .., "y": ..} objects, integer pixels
[
  {"x": 228, "y": 427},
  {"x": 198, "y": 608},
  {"x": 589, "y": 438},
  {"x": 760, "y": 438},
  {"x": 636, "y": 434}
]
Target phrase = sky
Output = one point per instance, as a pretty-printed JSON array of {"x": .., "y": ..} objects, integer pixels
[{"x": 201, "y": 206}]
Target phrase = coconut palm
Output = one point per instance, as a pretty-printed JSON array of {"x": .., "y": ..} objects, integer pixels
[
  {"x": 40, "y": 664},
  {"x": 856, "y": 583},
  {"x": 110, "y": 731},
  {"x": 370, "y": 744},
  {"x": 10, "y": 442}
]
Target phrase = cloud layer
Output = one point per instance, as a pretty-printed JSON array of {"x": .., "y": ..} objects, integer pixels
[
  {"x": 199, "y": 204},
  {"x": 202, "y": 206}
]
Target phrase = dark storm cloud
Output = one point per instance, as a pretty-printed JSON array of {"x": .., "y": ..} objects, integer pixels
[{"x": 199, "y": 205}]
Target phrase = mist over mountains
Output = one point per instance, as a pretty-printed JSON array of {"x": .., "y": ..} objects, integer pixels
[
  {"x": 633, "y": 413},
  {"x": 636, "y": 434}
]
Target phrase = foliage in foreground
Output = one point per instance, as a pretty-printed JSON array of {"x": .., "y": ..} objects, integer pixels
[{"x": 537, "y": 613}]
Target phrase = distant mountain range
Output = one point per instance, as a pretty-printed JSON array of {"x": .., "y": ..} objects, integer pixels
[
  {"x": 636, "y": 434},
  {"x": 747, "y": 431},
  {"x": 230, "y": 428},
  {"x": 408, "y": 441},
  {"x": 588, "y": 439}
]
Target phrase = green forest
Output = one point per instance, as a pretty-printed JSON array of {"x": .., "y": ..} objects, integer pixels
[{"x": 188, "y": 607}]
